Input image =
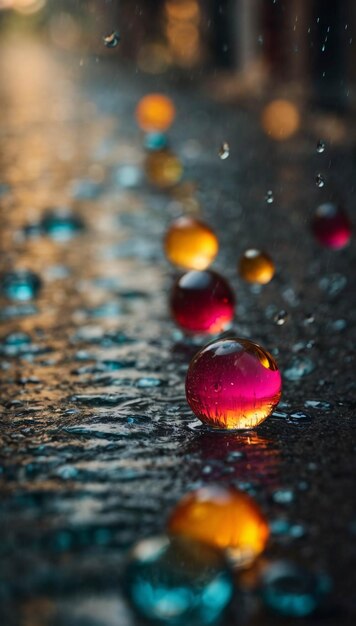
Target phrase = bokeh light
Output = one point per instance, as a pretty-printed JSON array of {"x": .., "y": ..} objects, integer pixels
[{"x": 280, "y": 119}]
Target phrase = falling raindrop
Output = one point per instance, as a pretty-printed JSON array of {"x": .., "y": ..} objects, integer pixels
[
  {"x": 269, "y": 197},
  {"x": 320, "y": 146},
  {"x": 112, "y": 40},
  {"x": 320, "y": 180},
  {"x": 224, "y": 151},
  {"x": 281, "y": 318}
]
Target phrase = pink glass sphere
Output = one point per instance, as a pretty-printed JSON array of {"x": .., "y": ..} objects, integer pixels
[
  {"x": 202, "y": 302},
  {"x": 233, "y": 383},
  {"x": 331, "y": 226}
]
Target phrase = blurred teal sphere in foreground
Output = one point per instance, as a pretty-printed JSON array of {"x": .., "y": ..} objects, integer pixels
[
  {"x": 292, "y": 591},
  {"x": 172, "y": 580}
]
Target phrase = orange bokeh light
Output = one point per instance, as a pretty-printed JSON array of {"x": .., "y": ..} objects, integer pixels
[
  {"x": 280, "y": 119},
  {"x": 155, "y": 112}
]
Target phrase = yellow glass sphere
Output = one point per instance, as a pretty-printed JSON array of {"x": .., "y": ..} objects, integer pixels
[
  {"x": 256, "y": 267},
  {"x": 155, "y": 112},
  {"x": 163, "y": 169},
  {"x": 280, "y": 119},
  {"x": 190, "y": 244},
  {"x": 225, "y": 518}
]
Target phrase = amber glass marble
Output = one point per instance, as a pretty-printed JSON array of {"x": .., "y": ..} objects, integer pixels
[
  {"x": 163, "y": 168},
  {"x": 233, "y": 384},
  {"x": 190, "y": 244},
  {"x": 225, "y": 518},
  {"x": 256, "y": 267},
  {"x": 155, "y": 112}
]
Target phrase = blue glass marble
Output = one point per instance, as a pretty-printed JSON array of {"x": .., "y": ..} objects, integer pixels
[
  {"x": 20, "y": 285},
  {"x": 155, "y": 141},
  {"x": 61, "y": 225},
  {"x": 292, "y": 591},
  {"x": 172, "y": 580}
]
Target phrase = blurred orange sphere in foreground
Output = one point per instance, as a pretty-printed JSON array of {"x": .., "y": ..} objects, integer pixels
[
  {"x": 280, "y": 119},
  {"x": 155, "y": 112},
  {"x": 225, "y": 518},
  {"x": 190, "y": 244}
]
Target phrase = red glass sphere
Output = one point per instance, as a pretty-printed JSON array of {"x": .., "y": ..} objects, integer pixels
[
  {"x": 233, "y": 383},
  {"x": 331, "y": 226},
  {"x": 202, "y": 302}
]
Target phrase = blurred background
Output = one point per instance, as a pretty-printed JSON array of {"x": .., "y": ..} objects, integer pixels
[{"x": 303, "y": 47}]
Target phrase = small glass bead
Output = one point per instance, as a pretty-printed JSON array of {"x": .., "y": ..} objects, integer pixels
[
  {"x": 256, "y": 267},
  {"x": 177, "y": 581},
  {"x": 202, "y": 302},
  {"x": 163, "y": 168},
  {"x": 291, "y": 590},
  {"x": 225, "y": 518},
  {"x": 61, "y": 225},
  {"x": 20, "y": 285},
  {"x": 155, "y": 141},
  {"x": 233, "y": 383},
  {"x": 331, "y": 226},
  {"x": 155, "y": 112},
  {"x": 190, "y": 244}
]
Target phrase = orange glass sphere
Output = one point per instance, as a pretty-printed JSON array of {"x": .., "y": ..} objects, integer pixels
[
  {"x": 163, "y": 169},
  {"x": 256, "y": 267},
  {"x": 225, "y": 518},
  {"x": 155, "y": 112},
  {"x": 190, "y": 244}
]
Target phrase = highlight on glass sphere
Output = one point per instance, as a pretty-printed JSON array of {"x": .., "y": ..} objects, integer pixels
[
  {"x": 163, "y": 168},
  {"x": 233, "y": 383},
  {"x": 190, "y": 244},
  {"x": 331, "y": 226},
  {"x": 202, "y": 302},
  {"x": 225, "y": 518},
  {"x": 178, "y": 581},
  {"x": 256, "y": 266},
  {"x": 155, "y": 112}
]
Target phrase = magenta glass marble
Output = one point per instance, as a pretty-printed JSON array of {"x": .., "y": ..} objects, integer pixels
[
  {"x": 202, "y": 302},
  {"x": 233, "y": 383},
  {"x": 331, "y": 226}
]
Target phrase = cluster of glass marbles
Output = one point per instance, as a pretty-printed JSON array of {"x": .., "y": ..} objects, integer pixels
[{"x": 188, "y": 575}]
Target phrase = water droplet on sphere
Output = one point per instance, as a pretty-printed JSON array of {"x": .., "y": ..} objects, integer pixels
[{"x": 320, "y": 146}]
